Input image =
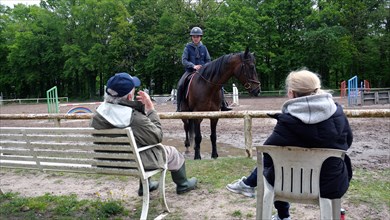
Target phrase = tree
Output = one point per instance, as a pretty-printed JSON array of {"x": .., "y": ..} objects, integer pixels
[
  {"x": 34, "y": 47},
  {"x": 100, "y": 42}
]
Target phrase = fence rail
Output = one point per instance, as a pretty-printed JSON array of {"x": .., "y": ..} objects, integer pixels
[
  {"x": 21, "y": 101},
  {"x": 246, "y": 115}
]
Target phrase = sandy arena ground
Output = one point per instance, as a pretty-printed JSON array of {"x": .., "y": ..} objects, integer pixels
[{"x": 369, "y": 150}]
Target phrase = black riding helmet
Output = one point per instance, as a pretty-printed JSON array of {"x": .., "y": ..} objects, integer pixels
[{"x": 196, "y": 31}]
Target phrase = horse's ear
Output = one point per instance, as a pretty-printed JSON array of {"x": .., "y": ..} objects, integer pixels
[{"x": 246, "y": 52}]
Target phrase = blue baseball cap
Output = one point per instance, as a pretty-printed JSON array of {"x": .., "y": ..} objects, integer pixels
[{"x": 121, "y": 84}]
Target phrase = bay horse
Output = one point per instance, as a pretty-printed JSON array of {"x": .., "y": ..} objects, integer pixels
[{"x": 204, "y": 93}]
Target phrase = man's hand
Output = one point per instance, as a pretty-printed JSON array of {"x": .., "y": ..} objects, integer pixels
[{"x": 145, "y": 99}]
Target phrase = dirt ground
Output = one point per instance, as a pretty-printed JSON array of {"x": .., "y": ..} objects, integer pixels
[{"x": 370, "y": 150}]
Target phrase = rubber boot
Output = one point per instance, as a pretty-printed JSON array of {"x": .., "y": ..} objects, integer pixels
[
  {"x": 178, "y": 98},
  {"x": 183, "y": 184},
  {"x": 153, "y": 185},
  {"x": 224, "y": 106},
  {"x": 178, "y": 102}
]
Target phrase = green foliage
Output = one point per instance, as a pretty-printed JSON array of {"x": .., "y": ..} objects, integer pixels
[
  {"x": 237, "y": 214},
  {"x": 110, "y": 208},
  {"x": 370, "y": 187},
  {"x": 78, "y": 45},
  {"x": 57, "y": 207}
]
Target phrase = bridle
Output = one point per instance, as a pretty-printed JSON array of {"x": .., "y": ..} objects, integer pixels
[{"x": 249, "y": 81}]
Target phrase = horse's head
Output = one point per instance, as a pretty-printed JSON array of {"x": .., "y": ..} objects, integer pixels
[{"x": 246, "y": 73}]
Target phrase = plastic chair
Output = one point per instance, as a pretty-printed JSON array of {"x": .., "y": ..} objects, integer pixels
[{"x": 297, "y": 179}]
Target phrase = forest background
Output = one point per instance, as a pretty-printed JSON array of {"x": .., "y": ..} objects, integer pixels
[{"x": 77, "y": 45}]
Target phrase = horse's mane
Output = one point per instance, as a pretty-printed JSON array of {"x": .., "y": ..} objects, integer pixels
[{"x": 215, "y": 67}]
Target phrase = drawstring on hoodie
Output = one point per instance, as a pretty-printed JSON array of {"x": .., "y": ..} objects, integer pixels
[{"x": 197, "y": 52}]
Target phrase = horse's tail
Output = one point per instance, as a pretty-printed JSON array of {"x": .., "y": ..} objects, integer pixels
[{"x": 191, "y": 132}]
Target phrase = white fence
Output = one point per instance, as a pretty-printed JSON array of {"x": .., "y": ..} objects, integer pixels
[
  {"x": 246, "y": 115},
  {"x": 29, "y": 100}
]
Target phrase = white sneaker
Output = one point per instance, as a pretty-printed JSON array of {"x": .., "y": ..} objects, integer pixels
[
  {"x": 276, "y": 217},
  {"x": 238, "y": 186}
]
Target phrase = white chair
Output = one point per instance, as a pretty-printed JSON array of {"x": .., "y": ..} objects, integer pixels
[{"x": 297, "y": 179}]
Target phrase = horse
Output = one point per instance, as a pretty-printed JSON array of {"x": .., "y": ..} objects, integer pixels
[{"x": 204, "y": 93}]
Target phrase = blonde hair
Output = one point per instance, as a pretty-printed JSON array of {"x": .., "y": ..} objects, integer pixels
[{"x": 303, "y": 83}]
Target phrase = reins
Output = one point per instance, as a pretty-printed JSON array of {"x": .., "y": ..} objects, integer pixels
[{"x": 215, "y": 84}]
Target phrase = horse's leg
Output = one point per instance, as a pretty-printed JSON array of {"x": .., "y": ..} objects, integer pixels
[
  {"x": 213, "y": 137},
  {"x": 186, "y": 130},
  {"x": 198, "y": 139}
]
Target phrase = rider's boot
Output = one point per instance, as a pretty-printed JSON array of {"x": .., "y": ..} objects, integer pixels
[
  {"x": 178, "y": 102},
  {"x": 224, "y": 106},
  {"x": 183, "y": 184},
  {"x": 179, "y": 93}
]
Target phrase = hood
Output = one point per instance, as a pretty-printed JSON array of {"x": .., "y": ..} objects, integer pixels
[
  {"x": 118, "y": 115},
  {"x": 193, "y": 45},
  {"x": 311, "y": 109}
]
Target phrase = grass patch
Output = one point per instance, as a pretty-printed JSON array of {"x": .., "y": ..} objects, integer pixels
[
  {"x": 217, "y": 173},
  {"x": 371, "y": 187},
  {"x": 12, "y": 206},
  {"x": 368, "y": 187}
]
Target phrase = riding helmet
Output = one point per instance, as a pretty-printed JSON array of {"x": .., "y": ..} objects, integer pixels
[{"x": 196, "y": 31}]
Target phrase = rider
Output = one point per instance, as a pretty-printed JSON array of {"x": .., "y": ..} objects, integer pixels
[{"x": 194, "y": 56}]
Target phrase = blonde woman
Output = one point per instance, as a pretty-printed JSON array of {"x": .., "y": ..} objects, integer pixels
[{"x": 309, "y": 118}]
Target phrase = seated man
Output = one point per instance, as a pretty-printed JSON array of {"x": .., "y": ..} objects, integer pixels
[{"x": 120, "y": 110}]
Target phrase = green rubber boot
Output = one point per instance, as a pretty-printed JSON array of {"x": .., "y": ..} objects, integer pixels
[
  {"x": 183, "y": 184},
  {"x": 153, "y": 185}
]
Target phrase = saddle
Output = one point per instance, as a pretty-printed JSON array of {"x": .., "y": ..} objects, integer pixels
[{"x": 186, "y": 83}]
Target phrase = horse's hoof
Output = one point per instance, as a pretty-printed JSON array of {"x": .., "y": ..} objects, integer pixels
[
  {"x": 197, "y": 158},
  {"x": 214, "y": 156}
]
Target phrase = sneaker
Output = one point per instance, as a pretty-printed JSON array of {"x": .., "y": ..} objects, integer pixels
[
  {"x": 240, "y": 187},
  {"x": 276, "y": 217}
]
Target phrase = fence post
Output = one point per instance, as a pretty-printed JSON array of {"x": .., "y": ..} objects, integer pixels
[{"x": 248, "y": 134}]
